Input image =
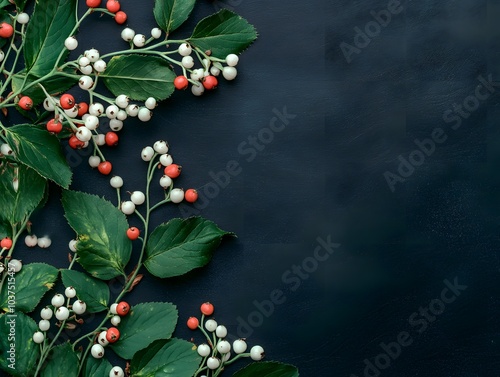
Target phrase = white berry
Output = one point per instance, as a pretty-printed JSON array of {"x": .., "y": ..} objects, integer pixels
[
  {"x": 48, "y": 104},
  {"x": 79, "y": 307},
  {"x": 139, "y": 40},
  {"x": 83, "y": 61},
  {"x": 221, "y": 331},
  {"x": 128, "y": 207},
  {"x": 138, "y": 197},
  {"x": 116, "y": 372},
  {"x": 213, "y": 363},
  {"x": 214, "y": 71},
  {"x": 122, "y": 101},
  {"x": 132, "y": 110},
  {"x": 94, "y": 161},
  {"x": 115, "y": 320},
  {"x": 232, "y": 60},
  {"x": 31, "y": 240},
  {"x": 160, "y": 146},
  {"x": 165, "y": 181},
  {"x": 112, "y": 309},
  {"x": 166, "y": 159},
  {"x": 115, "y": 124},
  {"x": 257, "y": 353},
  {"x": 116, "y": 182},
  {"x": 72, "y": 245},
  {"x": 73, "y": 112},
  {"x": 185, "y": 49},
  {"x": 92, "y": 55},
  {"x": 197, "y": 90},
  {"x": 70, "y": 292},
  {"x": 197, "y": 74},
  {"x": 16, "y": 265},
  {"x": 57, "y": 300},
  {"x": 46, "y": 313},
  {"x": 83, "y": 134},
  {"x": 229, "y": 73},
  {"x": 147, "y": 153},
  {"x": 211, "y": 325},
  {"x": 187, "y": 62},
  {"x": 111, "y": 111},
  {"x": 38, "y": 337},
  {"x": 44, "y": 242},
  {"x": 127, "y": 34},
  {"x": 100, "y": 66},
  {"x": 223, "y": 346},
  {"x": 101, "y": 339},
  {"x": 150, "y": 103},
  {"x": 96, "y": 109},
  {"x": 71, "y": 43},
  {"x": 156, "y": 33},
  {"x": 23, "y": 18},
  {"x": 144, "y": 114},
  {"x": 6, "y": 150},
  {"x": 86, "y": 70},
  {"x": 86, "y": 82},
  {"x": 177, "y": 195},
  {"x": 62, "y": 313},
  {"x": 122, "y": 115},
  {"x": 239, "y": 346},
  {"x": 97, "y": 351},
  {"x": 204, "y": 350},
  {"x": 100, "y": 139},
  {"x": 91, "y": 122},
  {"x": 44, "y": 325}
]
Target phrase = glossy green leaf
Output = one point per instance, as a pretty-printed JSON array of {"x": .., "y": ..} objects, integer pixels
[
  {"x": 41, "y": 151},
  {"x": 50, "y": 24},
  {"x": 17, "y": 335},
  {"x": 144, "y": 324},
  {"x": 103, "y": 246},
  {"x": 139, "y": 77},
  {"x": 223, "y": 33},
  {"x": 17, "y": 205},
  {"x": 5, "y": 229},
  {"x": 29, "y": 286},
  {"x": 95, "y": 293},
  {"x": 96, "y": 367},
  {"x": 166, "y": 358},
  {"x": 62, "y": 361},
  {"x": 182, "y": 245},
  {"x": 170, "y": 14},
  {"x": 268, "y": 369},
  {"x": 53, "y": 85}
]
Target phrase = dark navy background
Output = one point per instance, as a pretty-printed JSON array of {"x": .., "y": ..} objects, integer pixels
[{"x": 320, "y": 176}]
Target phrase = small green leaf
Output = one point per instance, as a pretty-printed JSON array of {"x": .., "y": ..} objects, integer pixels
[
  {"x": 63, "y": 361},
  {"x": 41, "y": 151},
  {"x": 139, "y": 77},
  {"x": 103, "y": 246},
  {"x": 17, "y": 334},
  {"x": 17, "y": 205},
  {"x": 166, "y": 358},
  {"x": 95, "y": 293},
  {"x": 170, "y": 14},
  {"x": 53, "y": 85},
  {"x": 182, "y": 245},
  {"x": 28, "y": 287},
  {"x": 144, "y": 324},
  {"x": 96, "y": 367},
  {"x": 223, "y": 33},
  {"x": 268, "y": 369},
  {"x": 50, "y": 25}
]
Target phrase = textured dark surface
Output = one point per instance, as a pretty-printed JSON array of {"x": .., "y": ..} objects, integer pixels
[{"x": 322, "y": 176}]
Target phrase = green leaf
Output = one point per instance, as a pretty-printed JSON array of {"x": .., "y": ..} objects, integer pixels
[
  {"x": 20, "y": 4},
  {"x": 166, "y": 358},
  {"x": 223, "y": 33},
  {"x": 144, "y": 324},
  {"x": 41, "y": 151},
  {"x": 94, "y": 292},
  {"x": 103, "y": 246},
  {"x": 4, "y": 3},
  {"x": 17, "y": 333},
  {"x": 268, "y": 369},
  {"x": 170, "y": 14},
  {"x": 63, "y": 361},
  {"x": 5, "y": 229},
  {"x": 51, "y": 23},
  {"x": 28, "y": 287},
  {"x": 96, "y": 367},
  {"x": 182, "y": 245},
  {"x": 53, "y": 85},
  {"x": 17, "y": 205},
  {"x": 139, "y": 77}
]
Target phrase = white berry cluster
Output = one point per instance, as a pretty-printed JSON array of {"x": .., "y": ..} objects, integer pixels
[
  {"x": 60, "y": 311},
  {"x": 31, "y": 240}
]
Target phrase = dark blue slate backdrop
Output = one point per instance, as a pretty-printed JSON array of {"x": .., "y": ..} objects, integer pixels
[{"x": 365, "y": 195}]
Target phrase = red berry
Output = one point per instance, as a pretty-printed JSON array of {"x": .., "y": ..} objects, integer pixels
[
  {"x": 111, "y": 139},
  {"x": 93, "y": 3},
  {"x": 123, "y": 308},
  {"x": 210, "y": 82},
  {"x": 6, "y": 243},
  {"x": 113, "y": 6},
  {"x": 133, "y": 233},
  {"x": 207, "y": 308},
  {"x": 192, "y": 323},
  {"x": 120, "y": 17},
  {"x": 105, "y": 167},
  {"x": 55, "y": 127},
  {"x": 181, "y": 82},
  {"x": 112, "y": 335},
  {"x": 173, "y": 170},
  {"x": 6, "y": 30},
  {"x": 25, "y": 103},
  {"x": 67, "y": 101},
  {"x": 83, "y": 108},
  {"x": 75, "y": 143},
  {"x": 191, "y": 195}
]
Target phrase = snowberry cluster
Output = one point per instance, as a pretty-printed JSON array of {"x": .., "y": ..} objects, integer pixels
[
  {"x": 60, "y": 311},
  {"x": 31, "y": 240},
  {"x": 216, "y": 352}
]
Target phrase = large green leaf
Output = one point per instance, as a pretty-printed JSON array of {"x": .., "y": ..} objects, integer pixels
[
  {"x": 181, "y": 245},
  {"x": 41, "y": 151},
  {"x": 95, "y": 293},
  {"x": 223, "y": 33},
  {"x": 53, "y": 85},
  {"x": 103, "y": 246},
  {"x": 144, "y": 324},
  {"x": 17, "y": 335},
  {"x": 50, "y": 25},
  {"x": 16, "y": 205},
  {"x": 139, "y": 77},
  {"x": 96, "y": 367},
  {"x": 63, "y": 361},
  {"x": 166, "y": 358},
  {"x": 268, "y": 369},
  {"x": 28, "y": 287},
  {"x": 170, "y": 14}
]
